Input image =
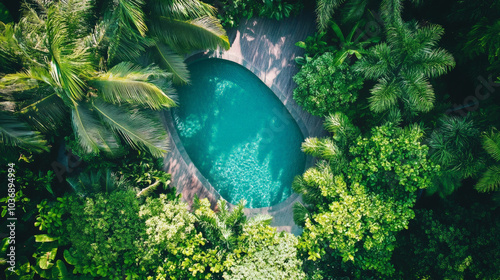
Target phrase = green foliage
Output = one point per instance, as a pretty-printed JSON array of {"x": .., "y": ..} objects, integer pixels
[
  {"x": 314, "y": 46},
  {"x": 350, "y": 45},
  {"x": 29, "y": 185},
  {"x": 105, "y": 234},
  {"x": 5, "y": 16},
  {"x": 223, "y": 228},
  {"x": 276, "y": 9},
  {"x": 232, "y": 11},
  {"x": 113, "y": 234},
  {"x": 58, "y": 77},
  {"x": 436, "y": 235},
  {"x": 324, "y": 11},
  {"x": 263, "y": 253},
  {"x": 133, "y": 168},
  {"x": 403, "y": 65},
  {"x": 249, "y": 247},
  {"x": 10, "y": 60},
  {"x": 490, "y": 180},
  {"x": 450, "y": 243},
  {"x": 324, "y": 88},
  {"x": 50, "y": 216},
  {"x": 89, "y": 183},
  {"x": 361, "y": 205},
  {"x": 343, "y": 46},
  {"x": 171, "y": 231},
  {"x": 16, "y": 133},
  {"x": 455, "y": 146},
  {"x": 483, "y": 39}
]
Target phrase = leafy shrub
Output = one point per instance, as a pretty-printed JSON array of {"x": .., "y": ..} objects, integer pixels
[
  {"x": 450, "y": 243},
  {"x": 324, "y": 88},
  {"x": 232, "y": 11},
  {"x": 362, "y": 195},
  {"x": 313, "y": 45},
  {"x": 106, "y": 234},
  {"x": 114, "y": 235},
  {"x": 263, "y": 253}
]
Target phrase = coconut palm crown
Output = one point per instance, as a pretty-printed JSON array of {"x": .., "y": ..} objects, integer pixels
[
  {"x": 403, "y": 65},
  {"x": 91, "y": 72}
]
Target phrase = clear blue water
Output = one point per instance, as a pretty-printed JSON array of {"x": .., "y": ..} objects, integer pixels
[{"x": 238, "y": 133}]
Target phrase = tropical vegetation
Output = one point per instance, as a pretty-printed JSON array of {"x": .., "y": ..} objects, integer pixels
[{"x": 405, "y": 182}]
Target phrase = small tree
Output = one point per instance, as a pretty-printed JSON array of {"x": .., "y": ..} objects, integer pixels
[{"x": 403, "y": 65}]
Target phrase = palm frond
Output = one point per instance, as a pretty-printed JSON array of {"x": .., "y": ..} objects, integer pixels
[
  {"x": 236, "y": 219},
  {"x": 434, "y": 63},
  {"x": 439, "y": 150},
  {"x": 45, "y": 113},
  {"x": 75, "y": 14},
  {"x": 66, "y": 63},
  {"x": 15, "y": 133},
  {"x": 125, "y": 44},
  {"x": 490, "y": 180},
  {"x": 330, "y": 150},
  {"x": 419, "y": 94},
  {"x": 208, "y": 226},
  {"x": 309, "y": 190},
  {"x": 343, "y": 130},
  {"x": 223, "y": 209},
  {"x": 96, "y": 40},
  {"x": 391, "y": 12},
  {"x": 94, "y": 181},
  {"x": 461, "y": 132},
  {"x": 376, "y": 63},
  {"x": 140, "y": 129},
  {"x": 259, "y": 220},
  {"x": 394, "y": 116},
  {"x": 129, "y": 13},
  {"x": 325, "y": 10},
  {"x": 300, "y": 213},
  {"x": 384, "y": 95},
  {"x": 491, "y": 144},
  {"x": 25, "y": 80},
  {"x": 174, "y": 63},
  {"x": 197, "y": 34},
  {"x": 181, "y": 9},
  {"x": 312, "y": 146},
  {"x": 129, "y": 83},
  {"x": 10, "y": 55},
  {"x": 429, "y": 35},
  {"x": 91, "y": 134},
  {"x": 483, "y": 38}
]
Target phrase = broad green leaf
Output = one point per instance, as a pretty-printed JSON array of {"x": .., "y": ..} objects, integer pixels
[
  {"x": 69, "y": 258},
  {"x": 44, "y": 238}
]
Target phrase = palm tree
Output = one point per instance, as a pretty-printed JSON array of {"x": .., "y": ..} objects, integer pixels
[
  {"x": 223, "y": 228},
  {"x": 15, "y": 133},
  {"x": 59, "y": 79},
  {"x": 333, "y": 152},
  {"x": 166, "y": 29},
  {"x": 454, "y": 145},
  {"x": 354, "y": 10},
  {"x": 403, "y": 65},
  {"x": 490, "y": 180},
  {"x": 70, "y": 75}
]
